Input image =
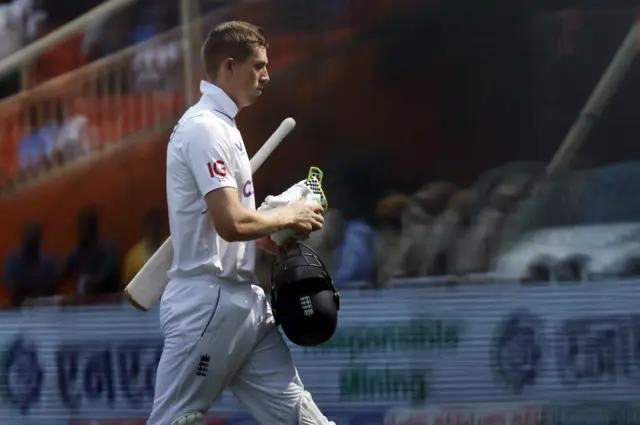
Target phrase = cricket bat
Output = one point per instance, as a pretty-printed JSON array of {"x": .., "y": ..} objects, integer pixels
[{"x": 148, "y": 285}]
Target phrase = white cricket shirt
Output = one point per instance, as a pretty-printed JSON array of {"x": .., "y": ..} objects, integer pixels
[{"x": 205, "y": 153}]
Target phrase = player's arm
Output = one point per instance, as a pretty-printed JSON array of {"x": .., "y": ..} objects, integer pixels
[
  {"x": 209, "y": 156},
  {"x": 234, "y": 222}
]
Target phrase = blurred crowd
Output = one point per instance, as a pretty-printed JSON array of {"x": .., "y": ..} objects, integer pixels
[
  {"x": 90, "y": 272},
  {"x": 52, "y": 139},
  {"x": 24, "y": 21},
  {"x": 51, "y": 132},
  {"x": 513, "y": 224},
  {"x": 439, "y": 230}
]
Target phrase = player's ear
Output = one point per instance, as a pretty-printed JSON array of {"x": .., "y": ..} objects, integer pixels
[{"x": 228, "y": 65}]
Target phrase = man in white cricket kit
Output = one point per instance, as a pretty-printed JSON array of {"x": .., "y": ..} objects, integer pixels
[{"x": 218, "y": 327}]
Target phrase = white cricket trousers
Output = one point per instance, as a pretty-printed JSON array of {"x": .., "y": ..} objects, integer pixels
[{"x": 217, "y": 335}]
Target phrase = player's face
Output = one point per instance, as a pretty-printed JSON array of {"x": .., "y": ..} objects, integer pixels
[{"x": 250, "y": 77}]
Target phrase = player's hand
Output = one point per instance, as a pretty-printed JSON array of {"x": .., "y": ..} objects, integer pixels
[
  {"x": 304, "y": 218},
  {"x": 268, "y": 245}
]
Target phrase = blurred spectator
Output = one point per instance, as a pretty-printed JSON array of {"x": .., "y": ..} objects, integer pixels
[
  {"x": 389, "y": 228},
  {"x": 19, "y": 25},
  {"x": 28, "y": 272},
  {"x": 37, "y": 143},
  {"x": 553, "y": 202},
  {"x": 354, "y": 257},
  {"x": 93, "y": 264},
  {"x": 479, "y": 246},
  {"x": 75, "y": 137},
  {"x": 49, "y": 131},
  {"x": 158, "y": 67},
  {"x": 20, "y": 21},
  {"x": 152, "y": 238},
  {"x": 55, "y": 140},
  {"x": 417, "y": 219},
  {"x": 10, "y": 30},
  {"x": 11, "y": 39},
  {"x": 448, "y": 227},
  {"x": 486, "y": 183}
]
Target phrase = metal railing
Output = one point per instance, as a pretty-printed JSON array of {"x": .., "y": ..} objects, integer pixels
[
  {"x": 27, "y": 55},
  {"x": 94, "y": 110},
  {"x": 101, "y": 107},
  {"x": 131, "y": 95}
]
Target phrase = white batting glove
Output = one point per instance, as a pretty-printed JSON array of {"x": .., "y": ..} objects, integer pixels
[{"x": 298, "y": 192}]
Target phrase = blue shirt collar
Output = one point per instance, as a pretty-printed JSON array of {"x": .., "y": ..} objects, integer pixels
[{"x": 221, "y": 101}]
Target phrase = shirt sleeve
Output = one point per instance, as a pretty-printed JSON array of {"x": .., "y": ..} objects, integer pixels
[{"x": 209, "y": 158}]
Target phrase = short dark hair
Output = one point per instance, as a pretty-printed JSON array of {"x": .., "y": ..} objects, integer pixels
[{"x": 233, "y": 39}]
